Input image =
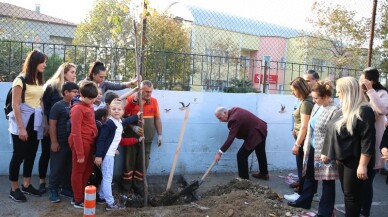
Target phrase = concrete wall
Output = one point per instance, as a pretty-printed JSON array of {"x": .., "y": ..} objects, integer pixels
[{"x": 204, "y": 134}]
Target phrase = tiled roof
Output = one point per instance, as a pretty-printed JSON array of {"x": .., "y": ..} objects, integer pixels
[
  {"x": 221, "y": 20},
  {"x": 9, "y": 10}
]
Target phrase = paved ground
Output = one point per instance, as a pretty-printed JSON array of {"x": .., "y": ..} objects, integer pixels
[{"x": 34, "y": 206}]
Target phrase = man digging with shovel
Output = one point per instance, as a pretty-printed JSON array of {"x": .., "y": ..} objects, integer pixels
[{"x": 244, "y": 125}]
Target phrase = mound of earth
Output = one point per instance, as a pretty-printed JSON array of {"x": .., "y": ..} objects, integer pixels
[{"x": 237, "y": 198}]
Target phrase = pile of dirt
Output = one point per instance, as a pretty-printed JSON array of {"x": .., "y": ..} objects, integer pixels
[{"x": 237, "y": 198}]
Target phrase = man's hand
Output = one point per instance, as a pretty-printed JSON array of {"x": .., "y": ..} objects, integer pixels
[
  {"x": 98, "y": 161},
  {"x": 159, "y": 140},
  {"x": 54, "y": 147},
  {"x": 384, "y": 152},
  {"x": 138, "y": 130},
  {"x": 217, "y": 157}
]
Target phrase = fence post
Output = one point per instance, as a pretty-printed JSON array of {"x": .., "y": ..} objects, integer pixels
[
  {"x": 265, "y": 76},
  {"x": 90, "y": 201}
]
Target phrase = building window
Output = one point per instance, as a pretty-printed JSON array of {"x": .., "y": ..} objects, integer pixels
[
  {"x": 283, "y": 63},
  {"x": 267, "y": 60},
  {"x": 60, "y": 40},
  {"x": 216, "y": 55},
  {"x": 245, "y": 61},
  {"x": 318, "y": 64}
]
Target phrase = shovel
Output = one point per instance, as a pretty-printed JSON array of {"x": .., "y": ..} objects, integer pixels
[
  {"x": 195, "y": 185},
  {"x": 188, "y": 189}
]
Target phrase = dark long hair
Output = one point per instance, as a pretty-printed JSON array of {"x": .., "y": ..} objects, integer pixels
[
  {"x": 372, "y": 74},
  {"x": 33, "y": 59},
  {"x": 95, "y": 69}
]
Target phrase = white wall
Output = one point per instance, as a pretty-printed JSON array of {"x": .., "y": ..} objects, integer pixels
[{"x": 204, "y": 134}]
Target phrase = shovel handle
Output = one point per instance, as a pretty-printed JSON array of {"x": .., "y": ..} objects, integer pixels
[{"x": 208, "y": 170}]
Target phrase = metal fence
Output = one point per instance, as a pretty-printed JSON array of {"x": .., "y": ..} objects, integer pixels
[{"x": 188, "y": 47}]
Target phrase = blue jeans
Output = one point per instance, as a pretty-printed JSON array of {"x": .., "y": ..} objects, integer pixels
[
  {"x": 309, "y": 185},
  {"x": 107, "y": 176},
  {"x": 326, "y": 204}
]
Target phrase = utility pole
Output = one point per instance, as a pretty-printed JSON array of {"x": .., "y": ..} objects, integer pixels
[{"x": 372, "y": 32}]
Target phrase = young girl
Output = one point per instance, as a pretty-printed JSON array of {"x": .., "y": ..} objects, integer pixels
[
  {"x": 98, "y": 104},
  {"x": 107, "y": 143}
]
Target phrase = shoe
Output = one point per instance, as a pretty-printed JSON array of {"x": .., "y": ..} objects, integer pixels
[
  {"x": 72, "y": 202},
  {"x": 294, "y": 204},
  {"x": 100, "y": 200},
  {"x": 114, "y": 206},
  {"x": 30, "y": 190},
  {"x": 294, "y": 184},
  {"x": 42, "y": 188},
  {"x": 260, "y": 176},
  {"x": 67, "y": 193},
  {"x": 316, "y": 197},
  {"x": 291, "y": 197},
  {"x": 54, "y": 196},
  {"x": 79, "y": 205},
  {"x": 17, "y": 195}
]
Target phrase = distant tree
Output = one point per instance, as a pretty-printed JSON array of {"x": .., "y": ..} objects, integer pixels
[
  {"x": 109, "y": 27},
  {"x": 338, "y": 32},
  {"x": 382, "y": 35}
]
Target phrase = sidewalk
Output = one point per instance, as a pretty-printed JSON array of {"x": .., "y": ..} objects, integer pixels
[{"x": 38, "y": 205}]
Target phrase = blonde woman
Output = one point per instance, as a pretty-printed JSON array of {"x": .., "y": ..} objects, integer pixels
[
  {"x": 350, "y": 139},
  {"x": 52, "y": 94}
]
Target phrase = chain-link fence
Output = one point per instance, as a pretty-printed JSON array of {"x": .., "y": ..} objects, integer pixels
[{"x": 194, "y": 48}]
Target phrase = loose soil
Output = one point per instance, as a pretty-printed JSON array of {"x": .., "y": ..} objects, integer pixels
[{"x": 237, "y": 198}]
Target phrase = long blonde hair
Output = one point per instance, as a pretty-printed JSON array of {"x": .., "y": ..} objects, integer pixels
[
  {"x": 352, "y": 100},
  {"x": 57, "y": 80}
]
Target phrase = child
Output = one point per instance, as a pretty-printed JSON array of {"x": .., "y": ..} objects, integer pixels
[
  {"x": 98, "y": 103},
  {"x": 60, "y": 163},
  {"x": 82, "y": 140},
  {"x": 96, "y": 177},
  {"x": 108, "y": 141}
]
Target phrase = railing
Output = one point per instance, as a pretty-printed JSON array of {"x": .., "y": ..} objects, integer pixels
[{"x": 169, "y": 70}]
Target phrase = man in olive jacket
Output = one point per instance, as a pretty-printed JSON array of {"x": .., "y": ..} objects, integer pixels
[{"x": 244, "y": 125}]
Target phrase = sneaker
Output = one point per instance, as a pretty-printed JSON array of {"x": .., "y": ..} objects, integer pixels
[
  {"x": 114, "y": 206},
  {"x": 17, "y": 195},
  {"x": 67, "y": 193},
  {"x": 42, "y": 188},
  {"x": 72, "y": 202},
  {"x": 30, "y": 190},
  {"x": 79, "y": 205},
  {"x": 54, "y": 196},
  {"x": 260, "y": 176},
  {"x": 291, "y": 197},
  {"x": 316, "y": 197}
]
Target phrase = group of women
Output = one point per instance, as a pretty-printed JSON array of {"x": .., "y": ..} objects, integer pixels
[
  {"x": 341, "y": 142},
  {"x": 28, "y": 126}
]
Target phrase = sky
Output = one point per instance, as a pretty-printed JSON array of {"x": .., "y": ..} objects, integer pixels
[{"x": 290, "y": 13}]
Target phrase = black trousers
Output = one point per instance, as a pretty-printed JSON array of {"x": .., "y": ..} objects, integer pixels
[
  {"x": 242, "y": 160},
  {"x": 309, "y": 184},
  {"x": 44, "y": 157},
  {"x": 299, "y": 166},
  {"x": 351, "y": 186},
  {"x": 60, "y": 168},
  {"x": 23, "y": 152}
]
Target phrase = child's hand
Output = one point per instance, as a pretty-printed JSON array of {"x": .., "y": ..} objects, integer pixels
[
  {"x": 141, "y": 139},
  {"x": 117, "y": 152},
  {"x": 98, "y": 161},
  {"x": 80, "y": 160}
]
